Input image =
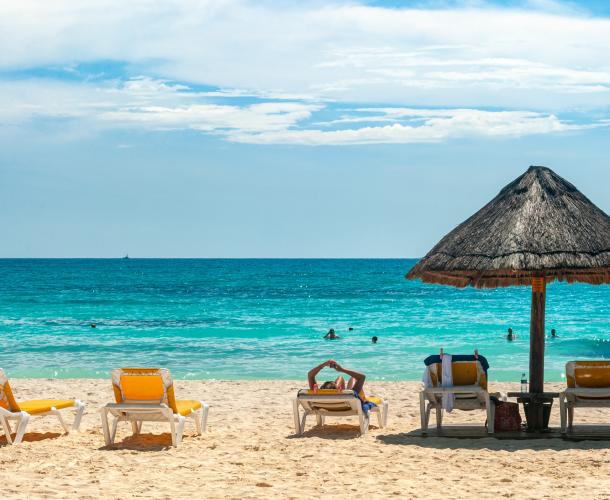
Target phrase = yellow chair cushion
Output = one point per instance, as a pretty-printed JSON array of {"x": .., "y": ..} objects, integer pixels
[
  {"x": 187, "y": 406},
  {"x": 142, "y": 388},
  {"x": 594, "y": 377},
  {"x": 34, "y": 406},
  {"x": 464, "y": 373},
  {"x": 7, "y": 400},
  {"x": 375, "y": 399}
]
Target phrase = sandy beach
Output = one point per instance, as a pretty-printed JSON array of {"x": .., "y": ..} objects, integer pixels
[{"x": 250, "y": 451}]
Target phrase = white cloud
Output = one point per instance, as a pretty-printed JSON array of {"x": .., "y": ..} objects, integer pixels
[
  {"x": 154, "y": 105},
  {"x": 423, "y": 125},
  {"x": 545, "y": 57},
  {"x": 254, "y": 118},
  {"x": 424, "y": 74}
]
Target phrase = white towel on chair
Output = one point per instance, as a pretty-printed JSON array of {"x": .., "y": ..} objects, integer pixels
[
  {"x": 448, "y": 399},
  {"x": 427, "y": 379}
]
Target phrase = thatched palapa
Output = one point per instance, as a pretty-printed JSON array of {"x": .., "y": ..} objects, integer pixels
[
  {"x": 538, "y": 229},
  {"x": 539, "y": 225}
]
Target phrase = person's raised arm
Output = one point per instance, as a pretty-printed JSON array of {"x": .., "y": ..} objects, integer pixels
[
  {"x": 359, "y": 377},
  {"x": 311, "y": 376}
]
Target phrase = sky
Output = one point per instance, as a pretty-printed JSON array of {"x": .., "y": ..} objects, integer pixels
[{"x": 242, "y": 128}]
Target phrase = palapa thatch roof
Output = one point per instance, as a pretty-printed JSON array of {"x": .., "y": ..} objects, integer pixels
[{"x": 538, "y": 225}]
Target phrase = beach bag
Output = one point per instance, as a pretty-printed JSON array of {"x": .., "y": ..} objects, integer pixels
[{"x": 507, "y": 417}]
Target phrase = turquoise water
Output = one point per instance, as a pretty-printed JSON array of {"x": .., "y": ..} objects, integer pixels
[{"x": 251, "y": 319}]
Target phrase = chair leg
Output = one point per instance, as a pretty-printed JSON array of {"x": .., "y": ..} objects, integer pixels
[
  {"x": 562, "y": 413},
  {"x": 115, "y": 424},
  {"x": 318, "y": 420},
  {"x": 105, "y": 428},
  {"x": 204, "y": 417},
  {"x": 80, "y": 410},
  {"x": 180, "y": 430},
  {"x": 422, "y": 411},
  {"x": 197, "y": 417},
  {"x": 428, "y": 412},
  {"x": 489, "y": 406},
  {"x": 380, "y": 417},
  {"x": 295, "y": 414},
  {"x": 134, "y": 428},
  {"x": 364, "y": 422},
  {"x": 57, "y": 413},
  {"x": 23, "y": 423},
  {"x": 386, "y": 410},
  {"x": 172, "y": 426},
  {"x": 303, "y": 422},
  {"x": 439, "y": 417},
  {"x": 7, "y": 430},
  {"x": 570, "y": 417}
]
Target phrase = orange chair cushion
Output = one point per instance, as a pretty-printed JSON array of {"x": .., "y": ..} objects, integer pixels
[
  {"x": 35, "y": 406},
  {"x": 464, "y": 373},
  {"x": 142, "y": 388},
  {"x": 592, "y": 378},
  {"x": 185, "y": 407}
]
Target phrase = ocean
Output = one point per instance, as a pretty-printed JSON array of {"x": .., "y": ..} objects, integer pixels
[{"x": 265, "y": 318}]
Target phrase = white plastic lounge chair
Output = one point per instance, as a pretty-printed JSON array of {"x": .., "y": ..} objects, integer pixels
[
  {"x": 10, "y": 409},
  {"x": 588, "y": 387},
  {"x": 333, "y": 403},
  {"x": 469, "y": 388},
  {"x": 147, "y": 395}
]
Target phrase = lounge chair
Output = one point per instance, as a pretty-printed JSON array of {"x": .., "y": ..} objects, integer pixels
[
  {"x": 469, "y": 388},
  {"x": 333, "y": 403},
  {"x": 147, "y": 395},
  {"x": 10, "y": 409},
  {"x": 588, "y": 387}
]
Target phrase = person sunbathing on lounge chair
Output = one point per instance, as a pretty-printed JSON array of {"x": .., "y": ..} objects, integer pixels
[{"x": 355, "y": 382}]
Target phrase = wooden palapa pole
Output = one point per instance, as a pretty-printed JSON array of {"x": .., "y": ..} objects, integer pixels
[{"x": 537, "y": 349}]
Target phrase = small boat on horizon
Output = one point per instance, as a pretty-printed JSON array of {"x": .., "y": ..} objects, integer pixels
[{"x": 126, "y": 257}]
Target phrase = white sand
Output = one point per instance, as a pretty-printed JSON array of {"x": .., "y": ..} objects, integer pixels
[{"x": 250, "y": 451}]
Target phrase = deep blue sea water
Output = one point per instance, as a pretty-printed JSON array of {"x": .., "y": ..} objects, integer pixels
[{"x": 254, "y": 319}]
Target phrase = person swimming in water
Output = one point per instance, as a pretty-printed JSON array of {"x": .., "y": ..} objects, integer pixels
[
  {"x": 355, "y": 382},
  {"x": 374, "y": 339},
  {"x": 331, "y": 335},
  {"x": 553, "y": 334},
  {"x": 510, "y": 337}
]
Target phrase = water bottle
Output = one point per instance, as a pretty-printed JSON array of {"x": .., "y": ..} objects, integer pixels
[{"x": 523, "y": 383}]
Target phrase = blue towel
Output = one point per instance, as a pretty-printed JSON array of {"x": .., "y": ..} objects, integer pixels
[{"x": 366, "y": 405}]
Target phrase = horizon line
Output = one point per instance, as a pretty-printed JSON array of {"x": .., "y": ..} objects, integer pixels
[{"x": 209, "y": 258}]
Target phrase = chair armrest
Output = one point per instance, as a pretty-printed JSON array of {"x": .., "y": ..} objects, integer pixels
[
  {"x": 456, "y": 389},
  {"x": 598, "y": 392}
]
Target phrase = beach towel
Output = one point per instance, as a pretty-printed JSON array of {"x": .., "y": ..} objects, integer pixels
[
  {"x": 366, "y": 403},
  {"x": 448, "y": 399},
  {"x": 427, "y": 379}
]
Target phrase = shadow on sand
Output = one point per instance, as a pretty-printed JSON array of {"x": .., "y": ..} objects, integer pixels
[
  {"x": 333, "y": 431},
  {"x": 504, "y": 441},
  {"x": 143, "y": 442},
  {"x": 31, "y": 437}
]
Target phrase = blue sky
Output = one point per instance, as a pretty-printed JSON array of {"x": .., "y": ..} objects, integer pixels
[{"x": 287, "y": 129}]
